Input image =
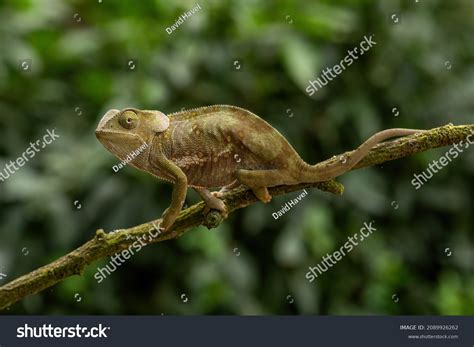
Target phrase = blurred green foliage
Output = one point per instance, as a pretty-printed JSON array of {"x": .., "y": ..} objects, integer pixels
[{"x": 79, "y": 53}]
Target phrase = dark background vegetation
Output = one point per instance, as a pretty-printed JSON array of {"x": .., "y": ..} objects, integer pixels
[{"x": 421, "y": 65}]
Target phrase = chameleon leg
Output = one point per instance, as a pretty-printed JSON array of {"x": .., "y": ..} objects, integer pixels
[
  {"x": 262, "y": 194},
  {"x": 177, "y": 200},
  {"x": 212, "y": 202},
  {"x": 259, "y": 180},
  {"x": 265, "y": 178}
]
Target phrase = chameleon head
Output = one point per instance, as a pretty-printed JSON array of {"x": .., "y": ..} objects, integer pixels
[{"x": 126, "y": 131}]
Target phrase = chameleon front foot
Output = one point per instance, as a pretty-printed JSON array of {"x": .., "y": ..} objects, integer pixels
[{"x": 167, "y": 219}]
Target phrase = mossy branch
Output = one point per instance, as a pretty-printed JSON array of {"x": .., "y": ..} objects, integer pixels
[{"x": 107, "y": 244}]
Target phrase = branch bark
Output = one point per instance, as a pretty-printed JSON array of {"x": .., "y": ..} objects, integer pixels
[{"x": 106, "y": 244}]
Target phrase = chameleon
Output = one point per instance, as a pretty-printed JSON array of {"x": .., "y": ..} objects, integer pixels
[{"x": 216, "y": 147}]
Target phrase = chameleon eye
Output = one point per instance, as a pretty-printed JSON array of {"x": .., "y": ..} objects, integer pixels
[{"x": 128, "y": 120}]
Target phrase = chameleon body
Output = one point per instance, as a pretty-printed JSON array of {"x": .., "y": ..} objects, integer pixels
[{"x": 216, "y": 147}]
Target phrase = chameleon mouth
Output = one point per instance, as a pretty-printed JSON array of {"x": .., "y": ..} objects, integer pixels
[
  {"x": 105, "y": 119},
  {"x": 117, "y": 148}
]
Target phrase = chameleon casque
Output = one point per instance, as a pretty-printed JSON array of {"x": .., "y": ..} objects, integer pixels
[{"x": 198, "y": 148}]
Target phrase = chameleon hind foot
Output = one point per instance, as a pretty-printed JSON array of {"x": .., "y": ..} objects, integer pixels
[
  {"x": 262, "y": 194},
  {"x": 259, "y": 180}
]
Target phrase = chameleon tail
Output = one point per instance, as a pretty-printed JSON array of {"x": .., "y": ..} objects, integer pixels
[{"x": 326, "y": 171}]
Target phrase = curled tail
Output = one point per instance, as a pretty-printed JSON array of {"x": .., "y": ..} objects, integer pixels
[{"x": 326, "y": 171}]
